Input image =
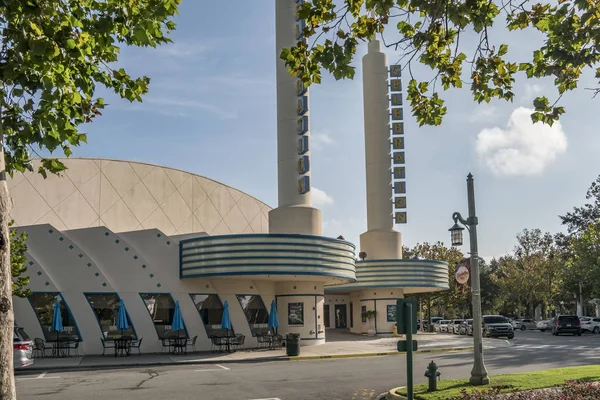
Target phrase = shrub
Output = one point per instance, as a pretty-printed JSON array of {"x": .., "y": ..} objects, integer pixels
[{"x": 576, "y": 390}]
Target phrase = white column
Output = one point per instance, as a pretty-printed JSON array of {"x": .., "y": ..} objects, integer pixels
[
  {"x": 377, "y": 139},
  {"x": 380, "y": 241},
  {"x": 287, "y": 116},
  {"x": 294, "y": 213}
]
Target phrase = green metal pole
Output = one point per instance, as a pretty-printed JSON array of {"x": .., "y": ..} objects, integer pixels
[{"x": 409, "y": 351}]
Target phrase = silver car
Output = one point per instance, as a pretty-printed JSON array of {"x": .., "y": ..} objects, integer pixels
[{"x": 22, "y": 348}]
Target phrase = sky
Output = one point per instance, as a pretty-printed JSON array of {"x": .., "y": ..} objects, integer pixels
[{"x": 211, "y": 110}]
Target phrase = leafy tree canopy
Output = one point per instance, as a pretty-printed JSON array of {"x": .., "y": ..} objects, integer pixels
[
  {"x": 430, "y": 33},
  {"x": 581, "y": 217},
  {"x": 53, "y": 56}
]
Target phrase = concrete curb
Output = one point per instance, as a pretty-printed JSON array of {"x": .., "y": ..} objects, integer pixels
[
  {"x": 393, "y": 396},
  {"x": 70, "y": 368},
  {"x": 387, "y": 353},
  {"x": 36, "y": 369}
]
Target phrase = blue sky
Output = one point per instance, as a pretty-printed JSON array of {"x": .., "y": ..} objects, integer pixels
[{"x": 211, "y": 110}]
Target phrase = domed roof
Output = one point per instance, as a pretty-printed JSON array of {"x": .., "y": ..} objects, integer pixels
[{"x": 128, "y": 196}]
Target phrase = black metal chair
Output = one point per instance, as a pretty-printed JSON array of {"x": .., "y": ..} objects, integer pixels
[
  {"x": 166, "y": 345},
  {"x": 39, "y": 347},
  {"x": 136, "y": 344},
  {"x": 264, "y": 341},
  {"x": 276, "y": 342},
  {"x": 74, "y": 346},
  {"x": 238, "y": 341},
  {"x": 107, "y": 344},
  {"x": 217, "y": 342},
  {"x": 192, "y": 343}
]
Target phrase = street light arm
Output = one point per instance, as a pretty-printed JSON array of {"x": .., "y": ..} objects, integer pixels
[{"x": 458, "y": 218}]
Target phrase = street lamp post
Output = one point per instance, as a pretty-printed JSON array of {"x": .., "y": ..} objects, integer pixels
[{"x": 479, "y": 374}]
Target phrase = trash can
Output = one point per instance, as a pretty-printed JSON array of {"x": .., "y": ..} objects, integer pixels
[{"x": 292, "y": 344}]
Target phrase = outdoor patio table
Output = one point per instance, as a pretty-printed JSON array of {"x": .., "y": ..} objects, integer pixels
[
  {"x": 122, "y": 346},
  {"x": 59, "y": 347},
  {"x": 179, "y": 345},
  {"x": 227, "y": 340}
]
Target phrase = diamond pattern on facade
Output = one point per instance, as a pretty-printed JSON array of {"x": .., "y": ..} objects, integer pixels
[
  {"x": 235, "y": 220},
  {"x": 126, "y": 196},
  {"x": 222, "y": 200}
]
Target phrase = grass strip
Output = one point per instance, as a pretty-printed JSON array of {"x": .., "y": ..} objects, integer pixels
[{"x": 451, "y": 388}]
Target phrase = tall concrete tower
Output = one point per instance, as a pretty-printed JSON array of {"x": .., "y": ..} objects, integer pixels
[
  {"x": 380, "y": 241},
  {"x": 294, "y": 213}
]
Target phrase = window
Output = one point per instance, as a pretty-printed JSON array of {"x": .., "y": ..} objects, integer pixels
[
  {"x": 363, "y": 317},
  {"x": 494, "y": 320},
  {"x": 161, "y": 308},
  {"x": 256, "y": 313},
  {"x": 295, "y": 314},
  {"x": 326, "y": 315},
  {"x": 106, "y": 309},
  {"x": 210, "y": 308},
  {"x": 391, "y": 313},
  {"x": 43, "y": 306}
]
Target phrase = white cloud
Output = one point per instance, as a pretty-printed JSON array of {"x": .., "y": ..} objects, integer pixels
[
  {"x": 320, "y": 140},
  {"x": 320, "y": 198},
  {"x": 522, "y": 148}
]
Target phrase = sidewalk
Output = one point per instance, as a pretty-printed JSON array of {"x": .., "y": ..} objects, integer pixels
[{"x": 339, "y": 345}]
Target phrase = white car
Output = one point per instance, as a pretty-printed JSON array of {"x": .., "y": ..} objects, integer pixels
[
  {"x": 442, "y": 326},
  {"x": 543, "y": 325},
  {"x": 590, "y": 324}
]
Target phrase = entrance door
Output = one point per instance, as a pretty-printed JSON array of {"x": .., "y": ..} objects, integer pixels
[
  {"x": 351, "y": 316},
  {"x": 340, "y": 316},
  {"x": 326, "y": 315}
]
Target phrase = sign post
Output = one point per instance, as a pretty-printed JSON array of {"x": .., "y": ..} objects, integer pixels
[{"x": 406, "y": 319}]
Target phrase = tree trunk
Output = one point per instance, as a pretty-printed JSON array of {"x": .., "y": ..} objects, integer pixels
[{"x": 7, "y": 379}]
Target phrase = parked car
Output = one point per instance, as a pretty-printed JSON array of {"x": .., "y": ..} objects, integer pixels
[
  {"x": 463, "y": 328},
  {"x": 590, "y": 324},
  {"x": 544, "y": 325},
  {"x": 566, "y": 324},
  {"x": 497, "y": 326},
  {"x": 22, "y": 348},
  {"x": 443, "y": 325},
  {"x": 454, "y": 326},
  {"x": 524, "y": 324}
]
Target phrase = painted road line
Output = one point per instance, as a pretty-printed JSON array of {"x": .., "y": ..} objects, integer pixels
[
  {"x": 270, "y": 398},
  {"x": 40, "y": 376},
  {"x": 221, "y": 368}
]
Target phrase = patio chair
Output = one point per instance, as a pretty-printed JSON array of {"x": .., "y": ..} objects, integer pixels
[
  {"x": 74, "y": 346},
  {"x": 166, "y": 345},
  {"x": 238, "y": 341},
  {"x": 107, "y": 344},
  {"x": 276, "y": 342},
  {"x": 192, "y": 343},
  {"x": 136, "y": 344},
  {"x": 39, "y": 347},
  {"x": 217, "y": 343},
  {"x": 264, "y": 341}
]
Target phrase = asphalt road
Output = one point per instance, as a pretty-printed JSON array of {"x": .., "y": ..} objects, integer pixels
[{"x": 343, "y": 379}]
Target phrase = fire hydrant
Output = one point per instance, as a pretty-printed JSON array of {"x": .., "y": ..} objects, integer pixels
[{"x": 432, "y": 373}]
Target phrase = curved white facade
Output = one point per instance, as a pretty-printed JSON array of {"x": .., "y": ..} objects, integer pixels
[
  {"x": 128, "y": 196},
  {"x": 273, "y": 257}
]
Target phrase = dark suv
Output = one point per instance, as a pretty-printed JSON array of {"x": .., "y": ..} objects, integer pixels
[
  {"x": 566, "y": 324},
  {"x": 497, "y": 326}
]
